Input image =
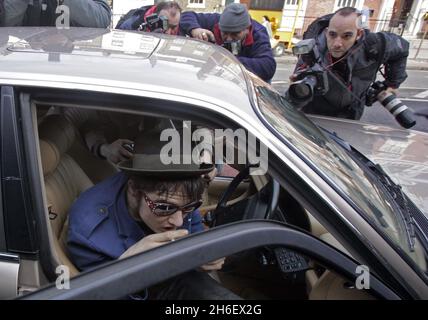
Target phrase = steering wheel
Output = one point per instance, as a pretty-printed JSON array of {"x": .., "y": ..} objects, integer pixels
[{"x": 259, "y": 206}]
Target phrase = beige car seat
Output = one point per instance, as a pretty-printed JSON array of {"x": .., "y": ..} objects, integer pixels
[{"x": 64, "y": 179}]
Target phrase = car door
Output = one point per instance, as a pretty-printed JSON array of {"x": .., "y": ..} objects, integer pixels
[{"x": 120, "y": 278}]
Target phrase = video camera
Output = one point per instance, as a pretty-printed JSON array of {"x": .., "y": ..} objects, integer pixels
[
  {"x": 398, "y": 109},
  {"x": 234, "y": 46},
  {"x": 153, "y": 23},
  {"x": 312, "y": 81}
]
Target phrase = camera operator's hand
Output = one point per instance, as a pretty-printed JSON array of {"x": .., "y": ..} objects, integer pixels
[
  {"x": 153, "y": 241},
  {"x": 116, "y": 152},
  {"x": 203, "y": 34},
  {"x": 293, "y": 78},
  {"x": 382, "y": 94}
]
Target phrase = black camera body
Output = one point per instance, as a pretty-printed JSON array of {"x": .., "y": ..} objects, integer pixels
[
  {"x": 154, "y": 23},
  {"x": 395, "y": 106},
  {"x": 235, "y": 47},
  {"x": 311, "y": 81}
]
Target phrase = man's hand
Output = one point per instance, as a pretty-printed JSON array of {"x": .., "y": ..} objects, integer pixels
[
  {"x": 154, "y": 241},
  {"x": 203, "y": 34},
  {"x": 382, "y": 94},
  {"x": 392, "y": 90},
  {"x": 116, "y": 152},
  {"x": 208, "y": 177},
  {"x": 213, "y": 265},
  {"x": 206, "y": 157},
  {"x": 293, "y": 78}
]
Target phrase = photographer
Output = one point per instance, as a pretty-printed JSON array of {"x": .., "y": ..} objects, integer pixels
[
  {"x": 236, "y": 31},
  {"x": 83, "y": 13},
  {"x": 163, "y": 18},
  {"x": 351, "y": 57}
]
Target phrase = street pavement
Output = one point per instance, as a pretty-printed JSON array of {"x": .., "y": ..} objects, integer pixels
[{"x": 413, "y": 92}]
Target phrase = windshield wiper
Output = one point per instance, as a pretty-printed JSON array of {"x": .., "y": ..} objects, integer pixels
[{"x": 396, "y": 191}]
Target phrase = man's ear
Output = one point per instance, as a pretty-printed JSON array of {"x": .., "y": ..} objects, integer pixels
[
  {"x": 131, "y": 188},
  {"x": 360, "y": 33}
]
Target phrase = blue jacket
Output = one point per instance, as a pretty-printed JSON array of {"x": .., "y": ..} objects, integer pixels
[
  {"x": 138, "y": 14},
  {"x": 101, "y": 228},
  {"x": 256, "y": 54}
]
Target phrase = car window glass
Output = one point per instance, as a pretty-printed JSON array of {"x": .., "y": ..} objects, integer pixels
[{"x": 330, "y": 160}]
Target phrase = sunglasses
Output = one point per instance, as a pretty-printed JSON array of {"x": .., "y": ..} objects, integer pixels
[{"x": 164, "y": 209}]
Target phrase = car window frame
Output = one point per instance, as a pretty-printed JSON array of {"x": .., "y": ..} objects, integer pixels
[
  {"x": 181, "y": 110},
  {"x": 17, "y": 214},
  {"x": 3, "y": 246},
  {"x": 120, "y": 278}
]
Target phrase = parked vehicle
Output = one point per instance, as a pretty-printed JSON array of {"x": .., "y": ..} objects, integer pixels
[{"x": 283, "y": 15}]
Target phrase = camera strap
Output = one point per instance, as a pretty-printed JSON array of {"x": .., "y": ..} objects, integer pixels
[{"x": 340, "y": 82}]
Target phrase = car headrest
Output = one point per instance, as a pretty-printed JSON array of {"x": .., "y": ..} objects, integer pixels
[
  {"x": 57, "y": 130},
  {"x": 50, "y": 157}
]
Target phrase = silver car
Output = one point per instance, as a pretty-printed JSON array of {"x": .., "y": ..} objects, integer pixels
[{"x": 341, "y": 211}]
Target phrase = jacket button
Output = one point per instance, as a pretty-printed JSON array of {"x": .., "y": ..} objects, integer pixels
[{"x": 103, "y": 210}]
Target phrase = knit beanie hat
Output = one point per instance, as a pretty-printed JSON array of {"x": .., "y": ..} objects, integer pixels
[{"x": 234, "y": 18}]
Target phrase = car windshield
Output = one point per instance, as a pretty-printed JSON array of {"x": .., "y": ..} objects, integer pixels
[{"x": 332, "y": 161}]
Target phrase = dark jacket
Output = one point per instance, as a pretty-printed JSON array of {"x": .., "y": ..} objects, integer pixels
[
  {"x": 101, "y": 228},
  {"x": 256, "y": 54},
  {"x": 361, "y": 68},
  {"x": 83, "y": 13}
]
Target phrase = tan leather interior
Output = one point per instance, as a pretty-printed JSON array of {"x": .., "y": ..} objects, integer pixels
[
  {"x": 215, "y": 190},
  {"x": 331, "y": 286},
  {"x": 64, "y": 179},
  {"x": 96, "y": 169}
]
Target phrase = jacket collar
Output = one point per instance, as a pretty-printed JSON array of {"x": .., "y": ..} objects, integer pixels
[
  {"x": 150, "y": 11},
  {"x": 126, "y": 225}
]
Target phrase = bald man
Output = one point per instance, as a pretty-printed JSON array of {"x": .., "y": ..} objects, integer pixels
[{"x": 353, "y": 55}]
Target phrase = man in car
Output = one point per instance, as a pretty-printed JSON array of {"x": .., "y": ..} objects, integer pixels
[
  {"x": 83, "y": 13},
  {"x": 170, "y": 10},
  {"x": 235, "y": 30},
  {"x": 147, "y": 205},
  {"x": 352, "y": 55}
]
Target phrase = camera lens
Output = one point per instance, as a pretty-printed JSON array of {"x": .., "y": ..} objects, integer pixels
[
  {"x": 399, "y": 110},
  {"x": 300, "y": 91},
  {"x": 303, "y": 90}
]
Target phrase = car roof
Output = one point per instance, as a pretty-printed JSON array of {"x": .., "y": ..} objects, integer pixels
[{"x": 125, "y": 59}]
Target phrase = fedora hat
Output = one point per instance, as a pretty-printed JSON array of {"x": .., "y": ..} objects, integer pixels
[{"x": 147, "y": 160}]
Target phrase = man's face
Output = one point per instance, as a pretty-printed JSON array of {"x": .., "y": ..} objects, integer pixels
[
  {"x": 161, "y": 224},
  {"x": 173, "y": 16},
  {"x": 342, "y": 33},
  {"x": 234, "y": 36}
]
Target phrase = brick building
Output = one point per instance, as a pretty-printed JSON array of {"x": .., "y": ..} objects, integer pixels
[
  {"x": 317, "y": 8},
  {"x": 399, "y": 16}
]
